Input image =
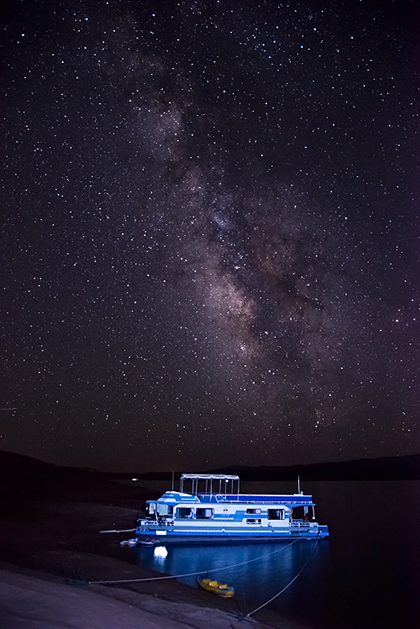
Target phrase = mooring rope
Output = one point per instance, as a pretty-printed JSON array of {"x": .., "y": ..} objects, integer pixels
[
  {"x": 191, "y": 574},
  {"x": 288, "y": 585}
]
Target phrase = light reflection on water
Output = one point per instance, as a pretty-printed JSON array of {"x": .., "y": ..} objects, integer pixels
[
  {"x": 257, "y": 571},
  {"x": 159, "y": 555}
]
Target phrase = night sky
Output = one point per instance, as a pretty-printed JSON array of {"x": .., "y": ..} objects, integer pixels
[{"x": 210, "y": 232}]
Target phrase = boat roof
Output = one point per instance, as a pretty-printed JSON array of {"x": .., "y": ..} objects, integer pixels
[
  {"x": 175, "y": 497},
  {"x": 209, "y": 477},
  {"x": 290, "y": 500}
]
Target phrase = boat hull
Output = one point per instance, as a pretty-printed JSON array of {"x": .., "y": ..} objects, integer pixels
[{"x": 224, "y": 538}]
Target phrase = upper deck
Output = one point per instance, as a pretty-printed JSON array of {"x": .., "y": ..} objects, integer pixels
[
  {"x": 220, "y": 488},
  {"x": 291, "y": 500}
]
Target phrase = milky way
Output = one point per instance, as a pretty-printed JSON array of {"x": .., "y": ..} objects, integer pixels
[{"x": 210, "y": 232}]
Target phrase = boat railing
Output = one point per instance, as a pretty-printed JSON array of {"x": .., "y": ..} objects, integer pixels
[
  {"x": 293, "y": 501},
  {"x": 161, "y": 522},
  {"x": 212, "y": 483},
  {"x": 302, "y": 525}
]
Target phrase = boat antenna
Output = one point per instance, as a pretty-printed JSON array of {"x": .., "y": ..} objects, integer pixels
[{"x": 298, "y": 479}]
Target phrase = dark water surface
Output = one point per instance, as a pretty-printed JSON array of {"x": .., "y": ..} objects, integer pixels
[{"x": 366, "y": 575}]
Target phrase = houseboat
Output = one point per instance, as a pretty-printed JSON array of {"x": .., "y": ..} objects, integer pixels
[{"x": 214, "y": 510}]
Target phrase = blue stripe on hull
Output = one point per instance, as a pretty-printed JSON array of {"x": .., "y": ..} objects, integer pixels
[
  {"x": 175, "y": 538},
  {"x": 215, "y": 539}
]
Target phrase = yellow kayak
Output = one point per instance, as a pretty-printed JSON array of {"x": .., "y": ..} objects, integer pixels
[{"x": 223, "y": 590}]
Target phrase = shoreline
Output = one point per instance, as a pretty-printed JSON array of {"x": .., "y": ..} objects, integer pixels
[
  {"x": 50, "y": 532},
  {"x": 56, "y": 605}
]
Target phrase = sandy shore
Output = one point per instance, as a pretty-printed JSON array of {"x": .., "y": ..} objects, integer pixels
[
  {"x": 50, "y": 547},
  {"x": 29, "y": 602}
]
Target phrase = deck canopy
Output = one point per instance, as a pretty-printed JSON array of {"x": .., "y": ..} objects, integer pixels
[{"x": 211, "y": 483}]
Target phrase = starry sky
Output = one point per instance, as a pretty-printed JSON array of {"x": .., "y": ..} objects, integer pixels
[{"x": 209, "y": 232}]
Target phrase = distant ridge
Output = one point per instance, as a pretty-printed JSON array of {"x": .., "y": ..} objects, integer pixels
[
  {"x": 385, "y": 468},
  {"x": 405, "y": 467}
]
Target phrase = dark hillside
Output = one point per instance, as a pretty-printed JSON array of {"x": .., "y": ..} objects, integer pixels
[{"x": 25, "y": 478}]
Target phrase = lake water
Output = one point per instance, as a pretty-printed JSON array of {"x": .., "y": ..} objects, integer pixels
[{"x": 367, "y": 575}]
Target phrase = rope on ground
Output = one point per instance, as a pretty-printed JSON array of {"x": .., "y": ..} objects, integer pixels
[
  {"x": 190, "y": 574},
  {"x": 288, "y": 585}
]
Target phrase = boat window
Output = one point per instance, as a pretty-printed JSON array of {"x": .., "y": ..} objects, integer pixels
[
  {"x": 253, "y": 521},
  {"x": 183, "y": 512},
  {"x": 152, "y": 507},
  {"x": 163, "y": 509},
  {"x": 275, "y": 514},
  {"x": 254, "y": 511},
  {"x": 204, "y": 514}
]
